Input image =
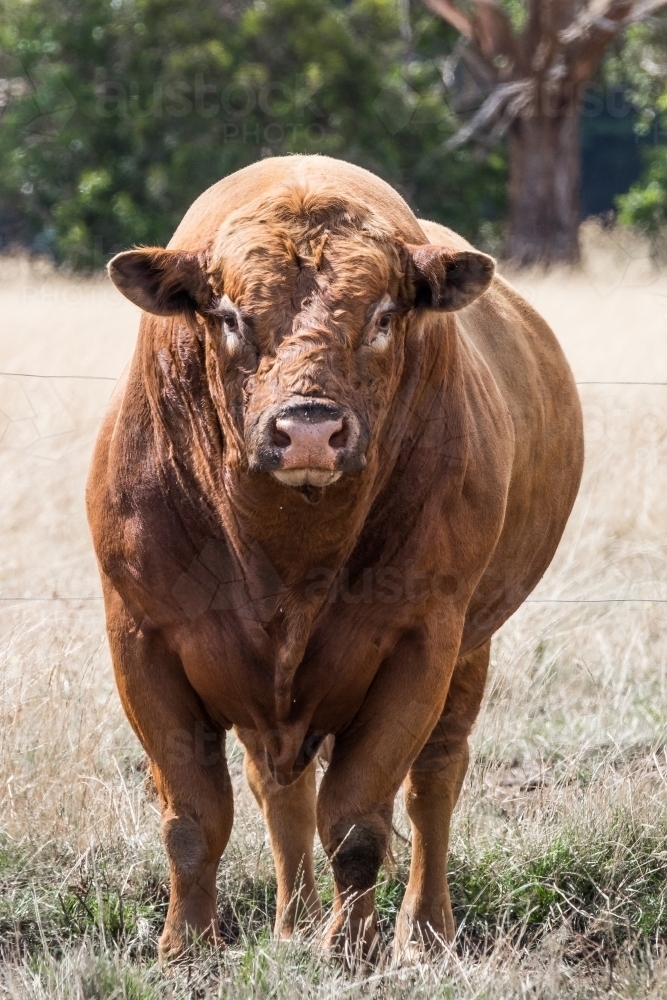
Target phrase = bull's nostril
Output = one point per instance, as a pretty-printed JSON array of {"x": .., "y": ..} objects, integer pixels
[
  {"x": 339, "y": 438},
  {"x": 280, "y": 438}
]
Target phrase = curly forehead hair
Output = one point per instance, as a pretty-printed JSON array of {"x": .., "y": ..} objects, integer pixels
[{"x": 306, "y": 237}]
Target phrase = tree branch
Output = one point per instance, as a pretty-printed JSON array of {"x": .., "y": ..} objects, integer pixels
[
  {"x": 507, "y": 100},
  {"x": 493, "y": 35},
  {"x": 451, "y": 13},
  {"x": 640, "y": 8},
  {"x": 644, "y": 8},
  {"x": 591, "y": 32},
  {"x": 604, "y": 18},
  {"x": 609, "y": 17},
  {"x": 490, "y": 30},
  {"x": 484, "y": 75}
]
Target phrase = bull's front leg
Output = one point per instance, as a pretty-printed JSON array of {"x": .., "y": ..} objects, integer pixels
[
  {"x": 370, "y": 760},
  {"x": 186, "y": 753},
  {"x": 431, "y": 790},
  {"x": 289, "y": 813}
]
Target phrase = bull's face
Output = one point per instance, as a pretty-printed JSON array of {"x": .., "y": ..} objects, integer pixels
[{"x": 308, "y": 321}]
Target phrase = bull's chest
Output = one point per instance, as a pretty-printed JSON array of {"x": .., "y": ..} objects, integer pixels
[{"x": 234, "y": 665}]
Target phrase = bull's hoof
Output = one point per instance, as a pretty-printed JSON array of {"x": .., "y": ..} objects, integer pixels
[
  {"x": 416, "y": 943},
  {"x": 305, "y": 930},
  {"x": 306, "y": 921},
  {"x": 182, "y": 943},
  {"x": 409, "y": 954},
  {"x": 355, "y": 943}
]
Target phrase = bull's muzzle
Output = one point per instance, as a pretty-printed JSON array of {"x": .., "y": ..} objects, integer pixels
[{"x": 308, "y": 442}]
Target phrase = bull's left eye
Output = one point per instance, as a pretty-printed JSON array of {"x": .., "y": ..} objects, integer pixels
[
  {"x": 380, "y": 334},
  {"x": 230, "y": 323}
]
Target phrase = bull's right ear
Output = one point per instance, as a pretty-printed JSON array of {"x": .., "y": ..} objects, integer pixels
[{"x": 164, "y": 282}]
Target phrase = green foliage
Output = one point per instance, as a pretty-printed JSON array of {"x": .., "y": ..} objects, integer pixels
[
  {"x": 120, "y": 112},
  {"x": 641, "y": 65},
  {"x": 518, "y": 13},
  {"x": 645, "y": 204}
]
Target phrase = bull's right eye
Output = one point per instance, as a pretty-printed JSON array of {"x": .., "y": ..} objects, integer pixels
[{"x": 230, "y": 323}]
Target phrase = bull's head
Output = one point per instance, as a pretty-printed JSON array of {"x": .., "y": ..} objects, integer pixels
[{"x": 307, "y": 309}]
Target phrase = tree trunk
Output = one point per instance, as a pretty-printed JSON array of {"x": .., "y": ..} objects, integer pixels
[{"x": 544, "y": 187}]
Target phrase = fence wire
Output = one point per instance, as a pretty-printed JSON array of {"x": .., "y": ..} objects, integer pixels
[{"x": 113, "y": 378}]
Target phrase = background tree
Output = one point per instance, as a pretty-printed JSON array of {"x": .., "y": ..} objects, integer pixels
[
  {"x": 118, "y": 113},
  {"x": 534, "y": 61}
]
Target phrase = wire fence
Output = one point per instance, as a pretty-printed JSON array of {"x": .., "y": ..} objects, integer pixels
[
  {"x": 530, "y": 600},
  {"x": 113, "y": 378},
  {"x": 92, "y": 378}
]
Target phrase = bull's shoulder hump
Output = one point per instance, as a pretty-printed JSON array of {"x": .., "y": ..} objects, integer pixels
[
  {"x": 444, "y": 236},
  {"x": 258, "y": 180}
]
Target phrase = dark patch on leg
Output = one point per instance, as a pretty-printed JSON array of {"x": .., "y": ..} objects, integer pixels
[
  {"x": 185, "y": 845},
  {"x": 358, "y": 857}
]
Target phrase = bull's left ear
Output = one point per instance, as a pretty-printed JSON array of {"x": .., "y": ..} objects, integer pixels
[
  {"x": 164, "y": 282},
  {"x": 448, "y": 279}
]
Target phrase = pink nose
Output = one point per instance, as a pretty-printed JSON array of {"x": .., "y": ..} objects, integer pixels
[{"x": 309, "y": 444}]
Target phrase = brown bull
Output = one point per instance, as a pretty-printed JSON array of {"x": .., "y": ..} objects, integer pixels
[{"x": 319, "y": 490}]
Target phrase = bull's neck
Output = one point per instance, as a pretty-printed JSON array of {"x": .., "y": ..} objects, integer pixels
[{"x": 421, "y": 439}]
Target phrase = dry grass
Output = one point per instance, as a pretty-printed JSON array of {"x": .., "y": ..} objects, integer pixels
[{"x": 559, "y": 853}]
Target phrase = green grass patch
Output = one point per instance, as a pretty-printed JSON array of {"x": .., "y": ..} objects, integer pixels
[{"x": 609, "y": 889}]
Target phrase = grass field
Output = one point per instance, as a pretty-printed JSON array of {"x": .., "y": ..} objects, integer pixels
[{"x": 559, "y": 848}]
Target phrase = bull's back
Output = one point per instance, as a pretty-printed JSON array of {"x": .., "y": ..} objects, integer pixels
[{"x": 502, "y": 330}]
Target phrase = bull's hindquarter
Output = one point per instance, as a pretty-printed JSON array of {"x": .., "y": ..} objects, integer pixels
[{"x": 366, "y": 618}]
